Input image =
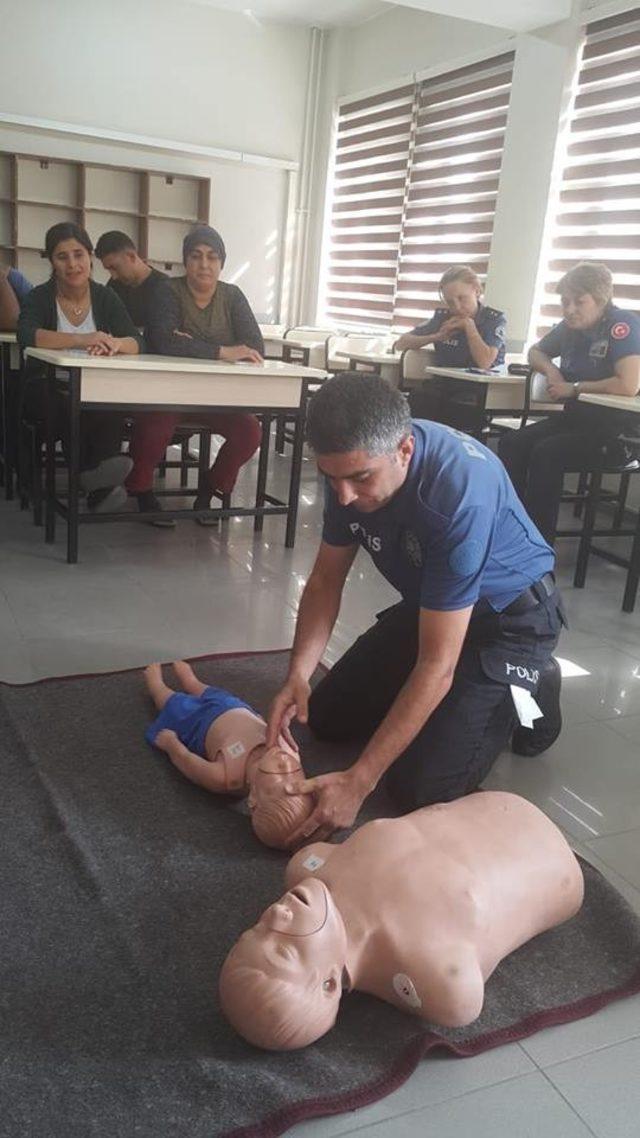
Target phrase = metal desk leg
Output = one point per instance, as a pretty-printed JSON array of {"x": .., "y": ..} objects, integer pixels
[
  {"x": 7, "y": 464},
  {"x": 50, "y": 456},
  {"x": 263, "y": 462},
  {"x": 74, "y": 465},
  {"x": 296, "y": 468}
]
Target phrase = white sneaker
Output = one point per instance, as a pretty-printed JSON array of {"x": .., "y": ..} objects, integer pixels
[{"x": 110, "y": 472}]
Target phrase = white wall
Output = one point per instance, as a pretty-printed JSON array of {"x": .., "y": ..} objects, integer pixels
[
  {"x": 404, "y": 40},
  {"x": 173, "y": 70},
  {"x": 167, "y": 68},
  {"x": 542, "y": 77}
]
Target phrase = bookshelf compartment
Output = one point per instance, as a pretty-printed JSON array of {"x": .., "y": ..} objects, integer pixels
[
  {"x": 43, "y": 180},
  {"x": 173, "y": 196},
  {"x": 107, "y": 189}
]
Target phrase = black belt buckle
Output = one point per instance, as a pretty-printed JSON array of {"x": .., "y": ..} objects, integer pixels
[{"x": 534, "y": 595}]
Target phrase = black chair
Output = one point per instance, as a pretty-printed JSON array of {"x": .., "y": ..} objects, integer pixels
[
  {"x": 629, "y": 465},
  {"x": 190, "y": 461}
]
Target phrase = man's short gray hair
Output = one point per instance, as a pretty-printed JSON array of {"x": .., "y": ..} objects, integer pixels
[{"x": 357, "y": 411}]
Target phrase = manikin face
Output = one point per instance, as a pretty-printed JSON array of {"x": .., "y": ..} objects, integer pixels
[
  {"x": 581, "y": 310},
  {"x": 121, "y": 266},
  {"x": 294, "y": 956},
  {"x": 367, "y": 482},
  {"x": 203, "y": 267},
  {"x": 71, "y": 263},
  {"x": 461, "y": 298}
]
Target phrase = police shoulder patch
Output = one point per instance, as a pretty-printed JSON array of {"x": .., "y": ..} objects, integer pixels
[
  {"x": 466, "y": 558},
  {"x": 620, "y": 331}
]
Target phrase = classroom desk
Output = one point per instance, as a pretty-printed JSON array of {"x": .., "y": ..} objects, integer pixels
[
  {"x": 308, "y": 353},
  {"x": 145, "y": 383},
  {"x": 386, "y": 364},
  {"x": 7, "y": 342},
  {"x": 463, "y": 399},
  {"x": 614, "y": 402}
]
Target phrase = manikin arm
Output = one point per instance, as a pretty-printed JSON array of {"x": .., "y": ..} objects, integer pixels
[
  {"x": 209, "y": 775},
  {"x": 443, "y": 984},
  {"x": 306, "y": 862}
]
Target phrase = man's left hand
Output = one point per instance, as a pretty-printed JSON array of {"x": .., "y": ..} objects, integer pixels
[{"x": 338, "y": 797}]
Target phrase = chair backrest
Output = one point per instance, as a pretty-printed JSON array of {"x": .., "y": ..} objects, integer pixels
[
  {"x": 307, "y": 335},
  {"x": 354, "y": 342},
  {"x": 416, "y": 363},
  {"x": 538, "y": 392}
]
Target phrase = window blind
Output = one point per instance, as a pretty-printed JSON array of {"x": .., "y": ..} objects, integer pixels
[
  {"x": 371, "y": 159},
  {"x": 598, "y": 216},
  {"x": 453, "y": 182},
  {"x": 416, "y": 178}
]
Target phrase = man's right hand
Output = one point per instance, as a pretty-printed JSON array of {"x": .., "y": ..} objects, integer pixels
[
  {"x": 291, "y": 702},
  {"x": 239, "y": 352}
]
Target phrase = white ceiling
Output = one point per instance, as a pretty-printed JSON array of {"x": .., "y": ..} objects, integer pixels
[
  {"x": 514, "y": 15},
  {"x": 314, "y": 13}
]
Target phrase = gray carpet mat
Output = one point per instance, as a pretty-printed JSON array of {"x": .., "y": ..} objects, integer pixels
[{"x": 123, "y": 887}]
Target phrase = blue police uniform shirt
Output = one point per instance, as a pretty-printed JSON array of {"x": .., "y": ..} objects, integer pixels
[
  {"x": 454, "y": 533},
  {"x": 593, "y": 353},
  {"x": 454, "y": 352},
  {"x": 20, "y": 285}
]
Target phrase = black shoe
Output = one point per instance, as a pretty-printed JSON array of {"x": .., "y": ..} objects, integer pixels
[
  {"x": 534, "y": 740},
  {"x": 106, "y": 499},
  {"x": 149, "y": 504},
  {"x": 203, "y": 502}
]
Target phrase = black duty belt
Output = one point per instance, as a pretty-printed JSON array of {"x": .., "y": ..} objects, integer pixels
[{"x": 533, "y": 596}]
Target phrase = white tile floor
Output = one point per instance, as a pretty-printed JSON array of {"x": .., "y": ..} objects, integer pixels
[{"x": 140, "y": 594}]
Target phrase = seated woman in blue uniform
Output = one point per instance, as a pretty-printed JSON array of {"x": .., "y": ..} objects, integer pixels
[
  {"x": 598, "y": 345},
  {"x": 464, "y": 333}
]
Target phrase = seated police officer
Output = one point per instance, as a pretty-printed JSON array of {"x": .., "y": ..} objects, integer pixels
[
  {"x": 465, "y": 333},
  {"x": 432, "y": 688},
  {"x": 598, "y": 346}
]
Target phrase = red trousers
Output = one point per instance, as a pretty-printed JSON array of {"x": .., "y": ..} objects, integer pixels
[{"x": 152, "y": 433}]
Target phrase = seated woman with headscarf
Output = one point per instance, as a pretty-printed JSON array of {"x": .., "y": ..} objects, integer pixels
[{"x": 200, "y": 316}]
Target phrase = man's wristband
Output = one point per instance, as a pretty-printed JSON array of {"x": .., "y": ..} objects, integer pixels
[{"x": 576, "y": 389}]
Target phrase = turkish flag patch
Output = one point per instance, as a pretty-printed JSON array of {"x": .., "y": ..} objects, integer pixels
[{"x": 620, "y": 331}]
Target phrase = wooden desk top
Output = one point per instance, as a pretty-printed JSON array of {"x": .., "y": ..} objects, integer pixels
[
  {"x": 615, "y": 402},
  {"x": 268, "y": 369},
  {"x": 499, "y": 377},
  {"x": 363, "y": 357}
]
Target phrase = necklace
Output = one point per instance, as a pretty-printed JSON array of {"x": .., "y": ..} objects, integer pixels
[{"x": 75, "y": 311}]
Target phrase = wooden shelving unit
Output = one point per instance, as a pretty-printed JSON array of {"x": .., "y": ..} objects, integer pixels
[{"x": 156, "y": 210}]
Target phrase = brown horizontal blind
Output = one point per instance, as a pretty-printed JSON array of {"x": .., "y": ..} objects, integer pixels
[
  {"x": 461, "y": 119},
  {"x": 371, "y": 161},
  {"x": 598, "y": 216}
]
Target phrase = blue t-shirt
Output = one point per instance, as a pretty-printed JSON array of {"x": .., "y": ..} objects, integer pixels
[
  {"x": 454, "y": 533},
  {"x": 454, "y": 352},
  {"x": 20, "y": 285},
  {"x": 592, "y": 354}
]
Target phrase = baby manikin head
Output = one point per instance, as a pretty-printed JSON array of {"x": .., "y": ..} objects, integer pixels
[
  {"x": 275, "y": 813},
  {"x": 281, "y": 984}
]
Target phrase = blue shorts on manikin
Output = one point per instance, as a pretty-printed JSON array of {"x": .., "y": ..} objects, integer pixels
[{"x": 191, "y": 716}]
